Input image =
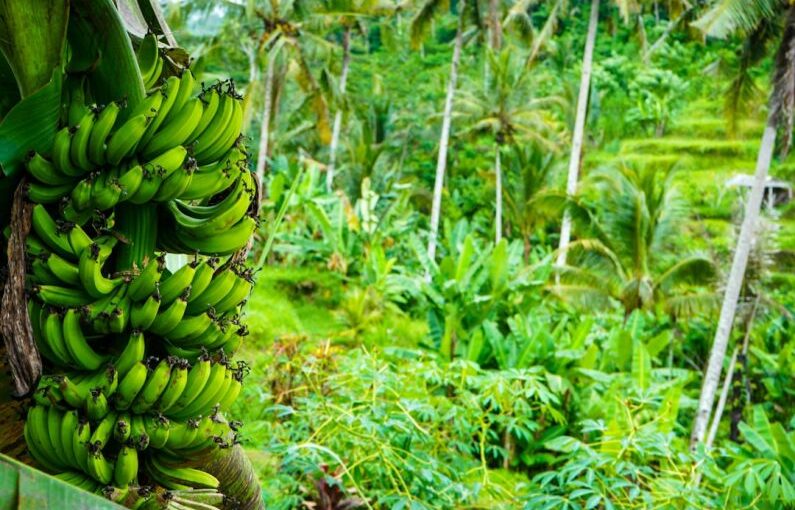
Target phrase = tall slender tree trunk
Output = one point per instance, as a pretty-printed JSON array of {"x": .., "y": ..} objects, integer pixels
[
  {"x": 734, "y": 284},
  {"x": 444, "y": 139},
  {"x": 264, "y": 136},
  {"x": 579, "y": 128},
  {"x": 498, "y": 197},
  {"x": 335, "y": 134},
  {"x": 496, "y": 26}
]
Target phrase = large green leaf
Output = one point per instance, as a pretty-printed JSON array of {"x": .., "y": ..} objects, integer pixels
[
  {"x": 30, "y": 125},
  {"x": 22, "y": 487}
]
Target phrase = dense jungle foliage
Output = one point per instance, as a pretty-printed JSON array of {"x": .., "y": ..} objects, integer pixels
[{"x": 494, "y": 373}]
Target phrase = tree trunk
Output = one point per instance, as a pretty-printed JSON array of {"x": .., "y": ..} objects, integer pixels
[
  {"x": 579, "y": 128},
  {"x": 498, "y": 198},
  {"x": 335, "y": 134},
  {"x": 496, "y": 26},
  {"x": 444, "y": 139},
  {"x": 724, "y": 395},
  {"x": 264, "y": 137},
  {"x": 734, "y": 284}
]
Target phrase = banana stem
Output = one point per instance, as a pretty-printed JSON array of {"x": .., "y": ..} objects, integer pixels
[{"x": 138, "y": 225}]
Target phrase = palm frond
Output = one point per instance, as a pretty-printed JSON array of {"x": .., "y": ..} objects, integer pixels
[
  {"x": 691, "y": 304},
  {"x": 730, "y": 16},
  {"x": 421, "y": 23},
  {"x": 693, "y": 270}
]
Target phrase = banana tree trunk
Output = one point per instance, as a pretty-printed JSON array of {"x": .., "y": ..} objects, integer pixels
[
  {"x": 444, "y": 139},
  {"x": 498, "y": 197},
  {"x": 579, "y": 129},
  {"x": 733, "y": 286},
  {"x": 335, "y": 134},
  {"x": 264, "y": 137}
]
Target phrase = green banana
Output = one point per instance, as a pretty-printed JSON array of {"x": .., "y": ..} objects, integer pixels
[
  {"x": 228, "y": 138},
  {"x": 61, "y": 149},
  {"x": 176, "y": 284},
  {"x": 130, "y": 385},
  {"x": 145, "y": 284},
  {"x": 37, "y": 439},
  {"x": 175, "y": 184},
  {"x": 130, "y": 181},
  {"x": 187, "y": 85},
  {"x": 224, "y": 243},
  {"x": 46, "y": 194},
  {"x": 54, "y": 418},
  {"x": 122, "y": 429},
  {"x": 124, "y": 140},
  {"x": 197, "y": 379},
  {"x": 156, "y": 383},
  {"x": 179, "y": 477},
  {"x": 215, "y": 178},
  {"x": 203, "y": 276},
  {"x": 91, "y": 277},
  {"x": 176, "y": 384},
  {"x": 81, "y": 352},
  {"x": 158, "y": 429},
  {"x": 143, "y": 313},
  {"x": 126, "y": 468},
  {"x": 82, "y": 193},
  {"x": 148, "y": 55},
  {"x": 219, "y": 287},
  {"x": 97, "y": 405},
  {"x": 64, "y": 270},
  {"x": 45, "y": 172},
  {"x": 216, "y": 128},
  {"x": 69, "y": 424},
  {"x": 52, "y": 334},
  {"x": 100, "y": 132},
  {"x": 175, "y": 132},
  {"x": 80, "y": 440},
  {"x": 170, "y": 91},
  {"x": 48, "y": 231},
  {"x": 205, "y": 399},
  {"x": 102, "y": 434},
  {"x": 133, "y": 353},
  {"x": 211, "y": 104},
  {"x": 100, "y": 468},
  {"x": 190, "y": 328},
  {"x": 240, "y": 292},
  {"x": 167, "y": 319},
  {"x": 78, "y": 150}
]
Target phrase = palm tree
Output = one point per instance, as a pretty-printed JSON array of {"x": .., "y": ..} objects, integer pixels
[
  {"x": 420, "y": 25},
  {"x": 627, "y": 219},
  {"x": 349, "y": 15},
  {"x": 528, "y": 171},
  {"x": 506, "y": 110},
  {"x": 751, "y": 19},
  {"x": 579, "y": 128}
]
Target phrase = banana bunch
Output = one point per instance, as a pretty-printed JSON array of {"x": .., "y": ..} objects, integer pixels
[
  {"x": 139, "y": 356},
  {"x": 149, "y": 153}
]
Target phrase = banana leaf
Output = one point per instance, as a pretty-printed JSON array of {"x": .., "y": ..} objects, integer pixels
[
  {"x": 25, "y": 488},
  {"x": 30, "y": 125}
]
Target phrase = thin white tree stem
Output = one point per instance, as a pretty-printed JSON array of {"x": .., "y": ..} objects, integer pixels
[
  {"x": 335, "y": 135},
  {"x": 498, "y": 198},
  {"x": 579, "y": 130},
  {"x": 724, "y": 395},
  {"x": 444, "y": 138},
  {"x": 733, "y": 286}
]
